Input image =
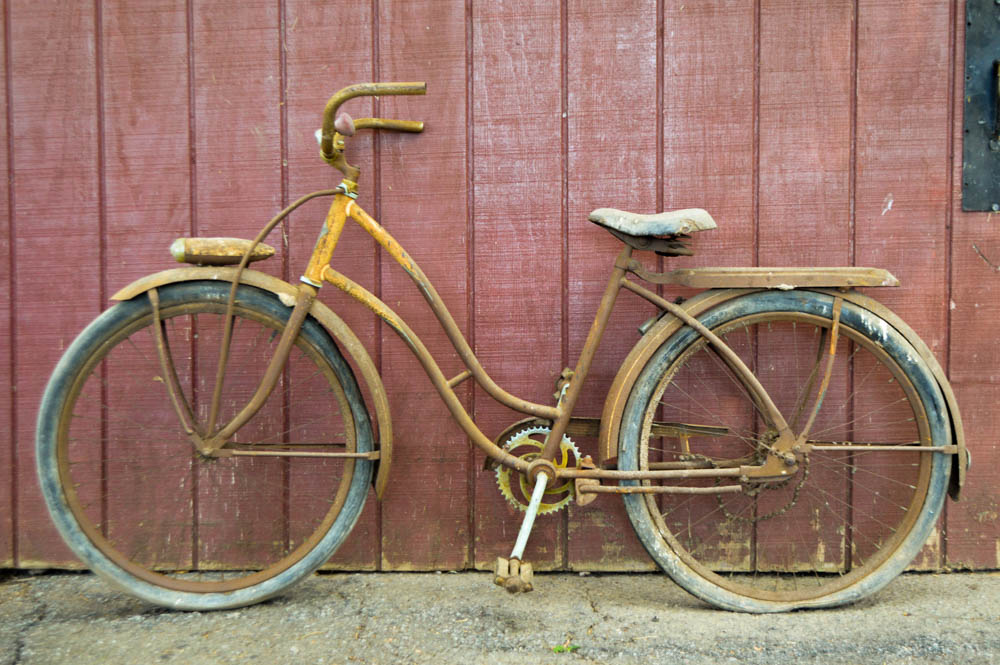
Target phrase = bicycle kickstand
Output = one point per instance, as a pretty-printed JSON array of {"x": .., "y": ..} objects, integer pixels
[{"x": 513, "y": 574}]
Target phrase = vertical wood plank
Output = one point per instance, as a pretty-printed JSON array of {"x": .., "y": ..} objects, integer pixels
[
  {"x": 709, "y": 162},
  {"x": 237, "y": 143},
  {"x": 147, "y": 175},
  {"x": 902, "y": 153},
  {"x": 425, "y": 517},
  {"x": 53, "y": 98},
  {"x": 314, "y": 72},
  {"x": 902, "y": 150},
  {"x": 146, "y": 135},
  {"x": 973, "y": 535},
  {"x": 7, "y": 453},
  {"x": 805, "y": 97},
  {"x": 612, "y": 84},
  {"x": 708, "y": 124},
  {"x": 238, "y": 188},
  {"x": 518, "y": 241}
]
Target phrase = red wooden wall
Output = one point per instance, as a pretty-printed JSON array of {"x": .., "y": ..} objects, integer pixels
[{"x": 816, "y": 133}]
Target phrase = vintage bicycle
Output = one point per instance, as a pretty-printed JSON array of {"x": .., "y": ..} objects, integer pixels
[{"x": 780, "y": 440}]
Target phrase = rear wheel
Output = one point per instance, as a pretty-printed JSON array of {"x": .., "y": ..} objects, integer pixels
[
  {"x": 846, "y": 521},
  {"x": 135, "y": 500}
]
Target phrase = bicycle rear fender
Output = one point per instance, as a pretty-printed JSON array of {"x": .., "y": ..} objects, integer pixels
[
  {"x": 666, "y": 326},
  {"x": 960, "y": 462},
  {"x": 344, "y": 336}
]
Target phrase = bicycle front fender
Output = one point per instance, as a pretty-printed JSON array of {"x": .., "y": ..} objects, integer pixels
[{"x": 344, "y": 336}]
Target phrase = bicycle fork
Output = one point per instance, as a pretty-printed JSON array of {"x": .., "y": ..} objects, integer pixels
[{"x": 212, "y": 444}]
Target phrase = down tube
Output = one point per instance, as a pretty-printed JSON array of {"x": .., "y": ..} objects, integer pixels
[
  {"x": 451, "y": 329},
  {"x": 434, "y": 373}
]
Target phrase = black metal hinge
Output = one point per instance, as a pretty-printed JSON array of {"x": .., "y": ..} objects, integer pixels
[{"x": 981, "y": 126}]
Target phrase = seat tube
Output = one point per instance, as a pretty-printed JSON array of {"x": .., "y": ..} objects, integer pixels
[
  {"x": 587, "y": 355},
  {"x": 333, "y": 226}
]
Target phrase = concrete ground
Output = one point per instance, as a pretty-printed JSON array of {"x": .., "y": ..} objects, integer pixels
[{"x": 398, "y": 618}]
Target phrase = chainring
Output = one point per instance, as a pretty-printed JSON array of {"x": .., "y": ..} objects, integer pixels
[{"x": 522, "y": 444}]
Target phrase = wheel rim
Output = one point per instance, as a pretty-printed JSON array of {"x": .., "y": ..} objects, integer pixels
[
  {"x": 167, "y": 515},
  {"x": 842, "y": 515}
]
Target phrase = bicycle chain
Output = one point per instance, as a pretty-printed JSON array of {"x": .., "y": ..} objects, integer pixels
[{"x": 755, "y": 491}]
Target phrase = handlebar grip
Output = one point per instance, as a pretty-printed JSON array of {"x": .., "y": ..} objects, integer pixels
[
  {"x": 362, "y": 89},
  {"x": 414, "y": 126}
]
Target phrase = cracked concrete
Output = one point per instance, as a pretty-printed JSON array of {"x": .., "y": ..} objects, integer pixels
[{"x": 463, "y": 618}]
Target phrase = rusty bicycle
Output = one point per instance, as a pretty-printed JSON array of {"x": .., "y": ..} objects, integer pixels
[{"x": 780, "y": 440}]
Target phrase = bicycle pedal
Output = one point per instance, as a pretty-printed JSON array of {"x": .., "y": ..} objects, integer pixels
[{"x": 513, "y": 575}]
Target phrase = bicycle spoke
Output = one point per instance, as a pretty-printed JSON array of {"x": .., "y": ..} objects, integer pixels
[{"x": 841, "y": 514}]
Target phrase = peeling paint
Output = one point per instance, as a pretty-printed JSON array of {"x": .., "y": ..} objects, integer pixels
[{"x": 887, "y": 203}]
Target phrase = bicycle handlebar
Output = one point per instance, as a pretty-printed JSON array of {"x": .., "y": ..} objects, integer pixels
[{"x": 362, "y": 89}]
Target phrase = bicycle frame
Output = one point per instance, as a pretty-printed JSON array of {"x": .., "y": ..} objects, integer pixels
[
  {"x": 344, "y": 207},
  {"x": 779, "y": 462}
]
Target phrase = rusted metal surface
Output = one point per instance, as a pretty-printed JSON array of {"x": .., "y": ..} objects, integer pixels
[
  {"x": 328, "y": 237},
  {"x": 338, "y": 329},
  {"x": 237, "y": 452},
  {"x": 514, "y": 575},
  {"x": 582, "y": 486},
  {"x": 563, "y": 411},
  {"x": 767, "y": 278},
  {"x": 227, "y": 326},
  {"x": 516, "y": 487},
  {"x": 303, "y": 302},
  {"x": 661, "y": 246},
  {"x": 961, "y": 461},
  {"x": 784, "y": 453},
  {"x": 621, "y": 388},
  {"x": 444, "y": 317},
  {"x": 358, "y": 90},
  {"x": 824, "y": 385},
  {"x": 571, "y": 393},
  {"x": 459, "y": 378},
  {"x": 946, "y": 450},
  {"x": 218, "y": 251},
  {"x": 332, "y": 142},
  {"x": 412, "y": 126},
  {"x": 734, "y": 361},
  {"x": 429, "y": 365},
  {"x": 637, "y": 358},
  {"x": 655, "y": 489},
  {"x": 185, "y": 415}
]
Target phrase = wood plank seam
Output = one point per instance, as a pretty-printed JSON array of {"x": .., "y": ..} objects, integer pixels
[{"x": 11, "y": 304}]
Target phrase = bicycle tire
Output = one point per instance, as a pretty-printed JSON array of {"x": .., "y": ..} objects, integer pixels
[
  {"x": 845, "y": 523},
  {"x": 138, "y": 505}
]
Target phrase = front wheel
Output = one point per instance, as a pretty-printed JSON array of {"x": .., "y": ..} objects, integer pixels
[
  {"x": 134, "y": 499},
  {"x": 846, "y": 521}
]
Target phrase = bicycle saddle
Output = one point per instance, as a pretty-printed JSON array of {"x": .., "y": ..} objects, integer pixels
[{"x": 677, "y": 222}]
